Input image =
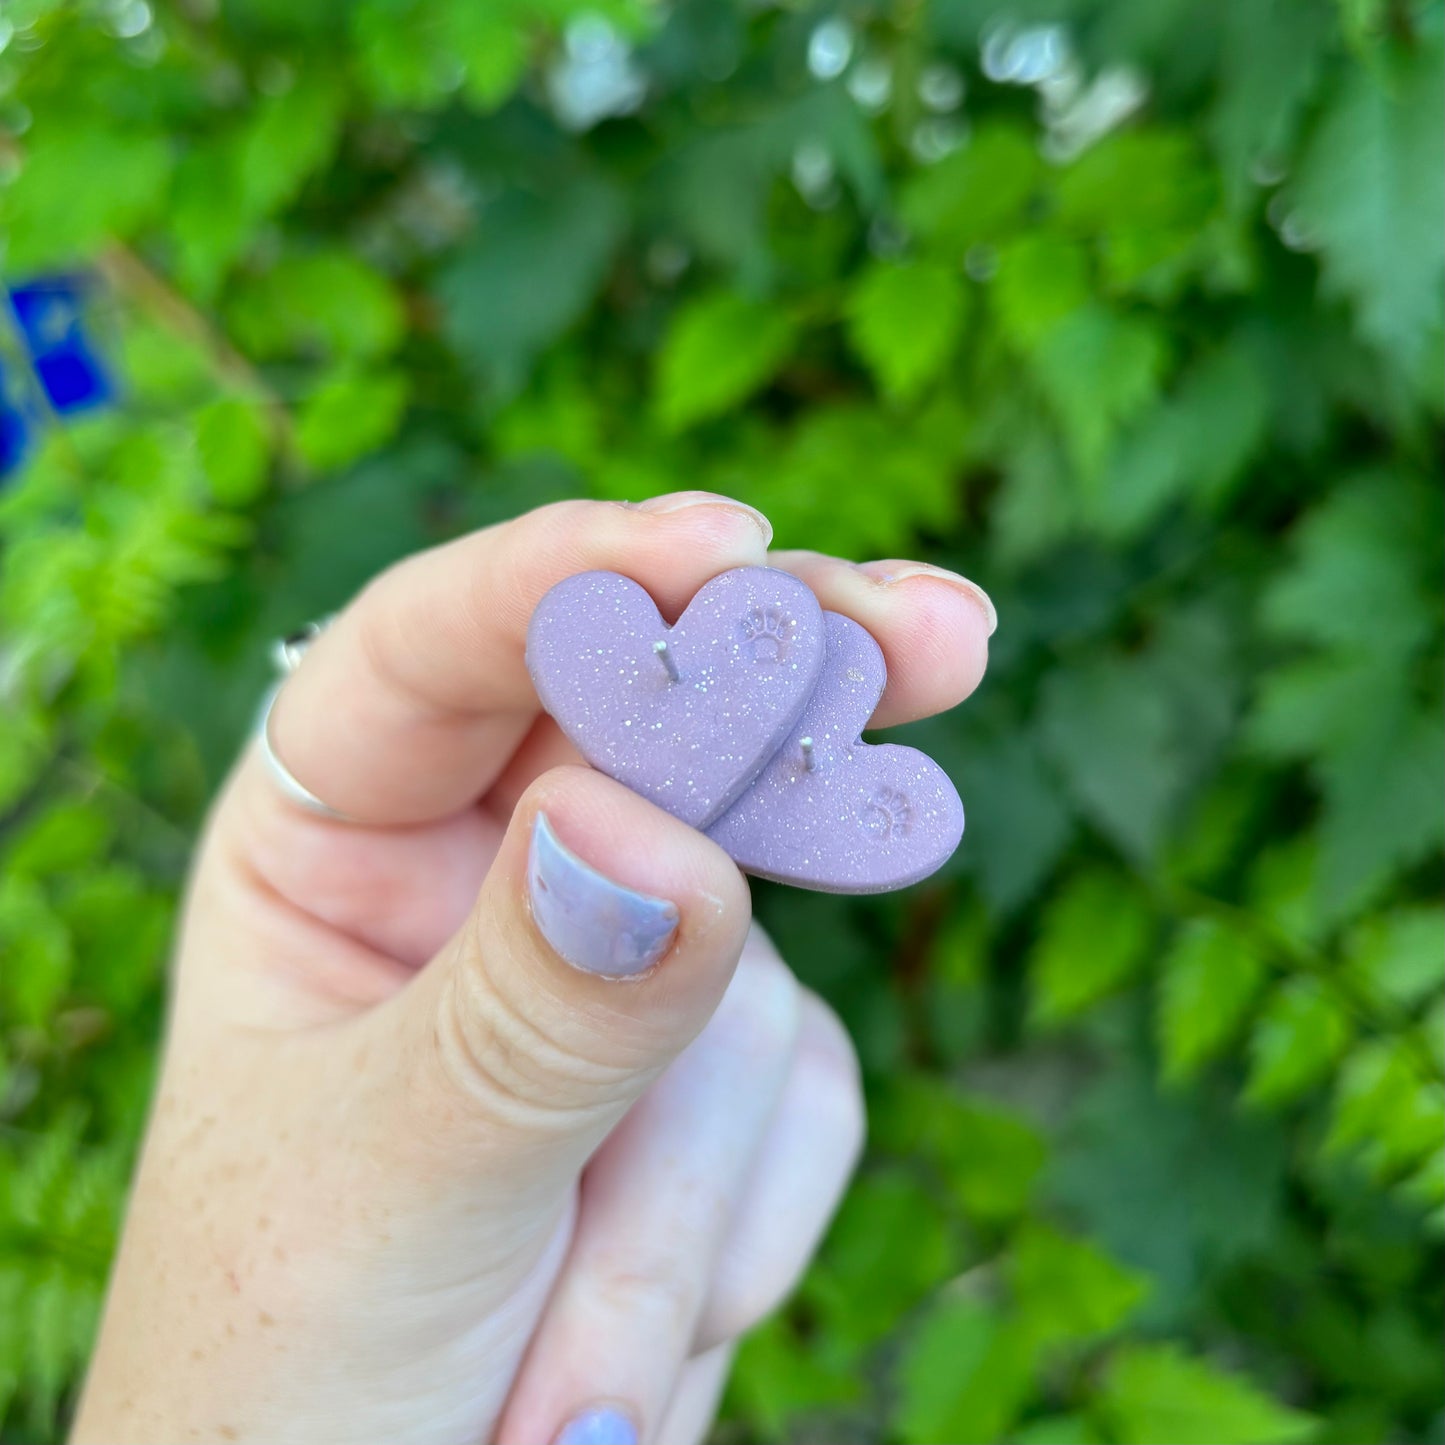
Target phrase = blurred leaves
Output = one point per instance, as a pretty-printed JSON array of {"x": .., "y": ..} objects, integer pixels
[
  {"x": 904, "y": 321},
  {"x": 1132, "y": 311},
  {"x": 1156, "y": 1392},
  {"x": 719, "y": 351},
  {"x": 1371, "y": 183}
]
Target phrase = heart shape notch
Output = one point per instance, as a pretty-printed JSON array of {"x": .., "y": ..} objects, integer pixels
[
  {"x": 834, "y": 813},
  {"x": 688, "y": 715}
]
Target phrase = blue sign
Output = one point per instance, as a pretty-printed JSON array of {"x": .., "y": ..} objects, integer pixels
[{"x": 49, "y": 316}]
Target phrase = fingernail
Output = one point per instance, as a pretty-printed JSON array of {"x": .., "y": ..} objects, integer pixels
[
  {"x": 887, "y": 572},
  {"x": 595, "y": 924},
  {"x": 680, "y": 501},
  {"x": 604, "y": 1425}
]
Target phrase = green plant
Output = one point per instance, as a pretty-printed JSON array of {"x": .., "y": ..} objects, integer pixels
[{"x": 1131, "y": 309}]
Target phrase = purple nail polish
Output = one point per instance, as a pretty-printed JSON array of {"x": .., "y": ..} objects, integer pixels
[
  {"x": 602, "y": 1425},
  {"x": 595, "y": 924}
]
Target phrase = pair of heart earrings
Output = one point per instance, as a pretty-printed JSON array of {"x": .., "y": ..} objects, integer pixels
[{"x": 744, "y": 719}]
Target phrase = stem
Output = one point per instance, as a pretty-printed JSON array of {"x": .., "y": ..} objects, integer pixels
[{"x": 130, "y": 276}]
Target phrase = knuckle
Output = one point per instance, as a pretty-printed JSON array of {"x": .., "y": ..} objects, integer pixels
[
  {"x": 660, "y": 1285},
  {"x": 507, "y": 1066}
]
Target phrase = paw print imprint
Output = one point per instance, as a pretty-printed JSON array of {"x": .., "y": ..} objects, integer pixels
[
  {"x": 887, "y": 814},
  {"x": 769, "y": 632}
]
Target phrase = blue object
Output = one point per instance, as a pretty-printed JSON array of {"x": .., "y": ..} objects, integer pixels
[{"x": 50, "y": 317}]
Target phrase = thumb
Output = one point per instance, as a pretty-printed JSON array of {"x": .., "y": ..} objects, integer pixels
[{"x": 602, "y": 940}]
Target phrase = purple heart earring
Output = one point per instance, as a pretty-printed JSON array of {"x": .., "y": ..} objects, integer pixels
[
  {"x": 837, "y": 814},
  {"x": 686, "y": 715}
]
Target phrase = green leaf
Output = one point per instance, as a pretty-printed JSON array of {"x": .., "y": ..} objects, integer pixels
[
  {"x": 120, "y": 929},
  {"x": 1067, "y": 1291},
  {"x": 989, "y": 1156},
  {"x": 1301, "y": 1032},
  {"x": 719, "y": 350},
  {"x": 1154, "y": 1393},
  {"x": 562, "y": 241},
  {"x": 1015, "y": 804},
  {"x": 1041, "y": 280},
  {"x": 963, "y": 1377},
  {"x": 67, "y": 835},
  {"x": 1092, "y": 941},
  {"x": 811, "y": 494},
  {"x": 888, "y": 1247},
  {"x": 1210, "y": 977},
  {"x": 1144, "y": 196},
  {"x": 350, "y": 414},
  {"x": 24, "y": 750},
  {"x": 233, "y": 438},
  {"x": 1206, "y": 1181},
  {"x": 1374, "y": 754},
  {"x": 1369, "y": 190},
  {"x": 1194, "y": 445},
  {"x": 1283, "y": 889},
  {"x": 1272, "y": 63},
  {"x": 1386, "y": 1107},
  {"x": 1057, "y": 1430},
  {"x": 492, "y": 43},
  {"x": 779, "y": 1376},
  {"x": 1098, "y": 369},
  {"x": 83, "y": 182},
  {"x": 904, "y": 321},
  {"x": 1109, "y": 728},
  {"x": 1400, "y": 956},
  {"x": 37, "y": 950},
  {"x": 1363, "y": 568},
  {"x": 321, "y": 302},
  {"x": 976, "y": 195}
]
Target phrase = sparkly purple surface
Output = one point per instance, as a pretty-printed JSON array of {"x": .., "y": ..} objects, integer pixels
[
  {"x": 866, "y": 818},
  {"x": 748, "y": 651}
]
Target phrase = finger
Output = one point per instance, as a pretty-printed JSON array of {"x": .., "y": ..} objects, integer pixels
[
  {"x": 932, "y": 625},
  {"x": 795, "y": 1183},
  {"x": 690, "y": 1412},
  {"x": 408, "y": 706},
  {"x": 653, "y": 1214},
  {"x": 693, "y": 1407},
  {"x": 402, "y": 892},
  {"x": 542, "y": 749},
  {"x": 603, "y": 938}
]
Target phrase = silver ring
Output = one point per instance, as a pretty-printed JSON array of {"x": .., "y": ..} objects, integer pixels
[{"x": 287, "y": 653}]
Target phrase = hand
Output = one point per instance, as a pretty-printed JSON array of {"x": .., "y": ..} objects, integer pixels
[{"x": 418, "y": 1169}]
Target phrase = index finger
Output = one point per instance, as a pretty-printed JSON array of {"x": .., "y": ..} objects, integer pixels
[{"x": 413, "y": 700}]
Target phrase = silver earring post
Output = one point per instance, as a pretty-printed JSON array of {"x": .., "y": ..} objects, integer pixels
[{"x": 665, "y": 657}]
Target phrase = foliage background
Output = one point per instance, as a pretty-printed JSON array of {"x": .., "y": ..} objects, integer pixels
[{"x": 1130, "y": 308}]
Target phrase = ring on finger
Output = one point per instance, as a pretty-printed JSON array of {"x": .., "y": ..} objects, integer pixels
[{"x": 287, "y": 653}]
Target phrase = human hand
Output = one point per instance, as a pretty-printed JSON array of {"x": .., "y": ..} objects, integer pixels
[{"x": 414, "y": 1175}]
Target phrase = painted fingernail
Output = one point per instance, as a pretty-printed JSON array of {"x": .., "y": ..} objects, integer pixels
[
  {"x": 887, "y": 572},
  {"x": 595, "y": 924},
  {"x": 680, "y": 501},
  {"x": 604, "y": 1425}
]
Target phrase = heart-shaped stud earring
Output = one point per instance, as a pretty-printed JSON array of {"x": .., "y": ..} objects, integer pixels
[
  {"x": 686, "y": 715},
  {"x": 837, "y": 814}
]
